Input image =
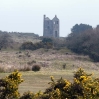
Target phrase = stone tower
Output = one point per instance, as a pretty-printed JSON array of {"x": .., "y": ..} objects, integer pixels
[{"x": 51, "y": 27}]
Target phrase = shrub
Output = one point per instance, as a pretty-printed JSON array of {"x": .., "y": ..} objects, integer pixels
[
  {"x": 45, "y": 43},
  {"x": 28, "y": 95},
  {"x": 31, "y": 95},
  {"x": 27, "y": 46},
  {"x": 83, "y": 87},
  {"x": 36, "y": 67},
  {"x": 64, "y": 66},
  {"x": 9, "y": 86}
]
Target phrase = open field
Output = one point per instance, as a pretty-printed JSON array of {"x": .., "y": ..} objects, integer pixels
[
  {"x": 36, "y": 81},
  {"x": 51, "y": 62}
]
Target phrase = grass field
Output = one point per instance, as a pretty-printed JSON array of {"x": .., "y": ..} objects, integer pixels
[
  {"x": 51, "y": 62},
  {"x": 38, "y": 81}
]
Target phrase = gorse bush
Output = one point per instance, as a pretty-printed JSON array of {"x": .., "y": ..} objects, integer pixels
[
  {"x": 83, "y": 87},
  {"x": 9, "y": 86},
  {"x": 28, "y": 95},
  {"x": 31, "y": 95}
]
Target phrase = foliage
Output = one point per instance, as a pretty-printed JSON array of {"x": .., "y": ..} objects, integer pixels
[
  {"x": 45, "y": 43},
  {"x": 5, "y": 40},
  {"x": 80, "y": 28},
  {"x": 27, "y": 45},
  {"x": 9, "y": 86},
  {"x": 85, "y": 43},
  {"x": 28, "y": 95},
  {"x": 31, "y": 95},
  {"x": 84, "y": 86},
  {"x": 46, "y": 40},
  {"x": 36, "y": 67}
]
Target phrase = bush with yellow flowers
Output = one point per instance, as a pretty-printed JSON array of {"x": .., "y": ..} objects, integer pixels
[
  {"x": 9, "y": 86},
  {"x": 31, "y": 95},
  {"x": 84, "y": 86}
]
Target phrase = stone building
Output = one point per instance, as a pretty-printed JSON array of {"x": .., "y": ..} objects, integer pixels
[{"x": 51, "y": 27}]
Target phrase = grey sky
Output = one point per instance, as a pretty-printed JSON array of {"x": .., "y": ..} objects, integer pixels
[{"x": 27, "y": 15}]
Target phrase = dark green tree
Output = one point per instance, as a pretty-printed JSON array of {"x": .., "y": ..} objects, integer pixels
[{"x": 79, "y": 28}]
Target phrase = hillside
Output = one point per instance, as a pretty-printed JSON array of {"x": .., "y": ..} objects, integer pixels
[
  {"x": 51, "y": 62},
  {"x": 23, "y": 37},
  {"x": 47, "y": 59}
]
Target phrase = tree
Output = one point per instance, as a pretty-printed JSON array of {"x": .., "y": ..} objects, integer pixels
[
  {"x": 86, "y": 43},
  {"x": 47, "y": 40},
  {"x": 80, "y": 28},
  {"x": 5, "y": 40}
]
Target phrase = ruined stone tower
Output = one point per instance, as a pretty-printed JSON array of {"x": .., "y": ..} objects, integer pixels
[{"x": 51, "y": 27}]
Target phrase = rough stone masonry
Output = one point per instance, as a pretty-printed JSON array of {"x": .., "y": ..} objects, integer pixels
[{"x": 51, "y": 27}]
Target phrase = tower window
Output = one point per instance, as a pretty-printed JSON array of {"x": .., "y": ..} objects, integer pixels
[
  {"x": 55, "y": 33},
  {"x": 48, "y": 27},
  {"x": 56, "y": 22}
]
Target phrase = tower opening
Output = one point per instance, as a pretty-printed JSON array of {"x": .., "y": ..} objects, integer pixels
[{"x": 55, "y": 33}]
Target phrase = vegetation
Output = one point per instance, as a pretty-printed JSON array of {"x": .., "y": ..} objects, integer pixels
[
  {"x": 85, "y": 42},
  {"x": 5, "y": 40},
  {"x": 45, "y": 43},
  {"x": 9, "y": 86},
  {"x": 80, "y": 28},
  {"x": 84, "y": 86},
  {"x": 36, "y": 67},
  {"x": 9, "y": 40}
]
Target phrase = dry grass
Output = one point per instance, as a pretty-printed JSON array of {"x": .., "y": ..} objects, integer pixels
[{"x": 51, "y": 60}]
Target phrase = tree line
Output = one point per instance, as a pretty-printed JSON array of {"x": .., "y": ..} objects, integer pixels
[{"x": 83, "y": 39}]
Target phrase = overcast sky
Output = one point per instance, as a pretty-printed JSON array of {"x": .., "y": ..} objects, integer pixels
[{"x": 27, "y": 15}]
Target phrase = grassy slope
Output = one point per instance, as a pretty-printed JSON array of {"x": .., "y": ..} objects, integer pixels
[
  {"x": 23, "y": 37},
  {"x": 52, "y": 65}
]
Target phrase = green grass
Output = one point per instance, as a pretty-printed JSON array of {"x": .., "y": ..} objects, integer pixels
[{"x": 36, "y": 81}]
